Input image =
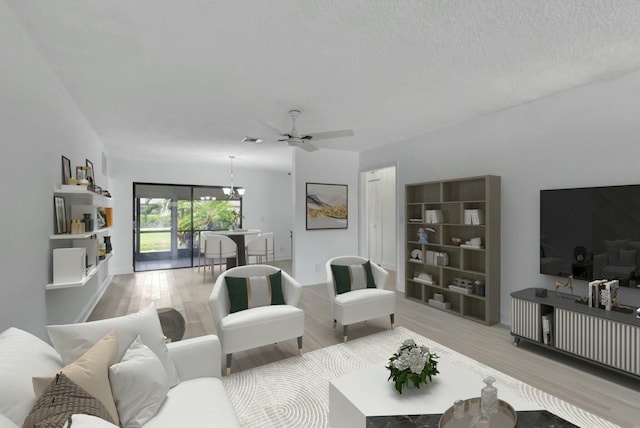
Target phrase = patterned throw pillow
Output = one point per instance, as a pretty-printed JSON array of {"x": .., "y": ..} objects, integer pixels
[
  {"x": 251, "y": 292},
  {"x": 352, "y": 277},
  {"x": 61, "y": 399}
]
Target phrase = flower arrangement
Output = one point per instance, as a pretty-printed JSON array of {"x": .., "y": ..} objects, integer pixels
[{"x": 412, "y": 364}]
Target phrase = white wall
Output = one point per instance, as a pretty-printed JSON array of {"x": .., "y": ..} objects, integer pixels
[
  {"x": 584, "y": 137},
  {"x": 266, "y": 204},
  {"x": 312, "y": 248},
  {"x": 39, "y": 123}
]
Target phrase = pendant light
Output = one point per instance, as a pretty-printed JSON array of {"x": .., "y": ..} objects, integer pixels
[{"x": 233, "y": 192}]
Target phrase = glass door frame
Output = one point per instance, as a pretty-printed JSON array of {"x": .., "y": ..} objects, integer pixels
[{"x": 192, "y": 245}]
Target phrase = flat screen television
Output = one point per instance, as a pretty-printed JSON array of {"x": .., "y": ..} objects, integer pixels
[{"x": 591, "y": 233}]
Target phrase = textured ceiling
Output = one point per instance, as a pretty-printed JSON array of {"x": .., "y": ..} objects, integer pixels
[{"x": 190, "y": 78}]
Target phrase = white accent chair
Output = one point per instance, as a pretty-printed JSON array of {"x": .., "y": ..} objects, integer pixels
[
  {"x": 201, "y": 241},
  {"x": 258, "y": 326},
  {"x": 218, "y": 247},
  {"x": 362, "y": 304},
  {"x": 261, "y": 246}
]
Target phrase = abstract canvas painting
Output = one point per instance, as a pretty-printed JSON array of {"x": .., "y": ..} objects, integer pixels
[{"x": 326, "y": 206}]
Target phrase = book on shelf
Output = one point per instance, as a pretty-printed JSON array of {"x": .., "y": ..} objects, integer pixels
[
  {"x": 439, "y": 305},
  {"x": 415, "y": 220},
  {"x": 460, "y": 289},
  {"x": 472, "y": 247},
  {"x": 474, "y": 216},
  {"x": 547, "y": 328},
  {"x": 433, "y": 216}
]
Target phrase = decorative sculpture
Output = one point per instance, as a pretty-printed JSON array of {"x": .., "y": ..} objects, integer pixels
[
  {"x": 569, "y": 284},
  {"x": 422, "y": 234}
]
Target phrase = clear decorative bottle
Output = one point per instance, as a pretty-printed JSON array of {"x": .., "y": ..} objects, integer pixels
[{"x": 488, "y": 398}]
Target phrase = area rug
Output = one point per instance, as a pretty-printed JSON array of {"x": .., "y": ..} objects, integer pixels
[{"x": 295, "y": 392}]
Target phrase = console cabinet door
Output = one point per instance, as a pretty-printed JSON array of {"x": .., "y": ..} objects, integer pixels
[
  {"x": 607, "y": 342},
  {"x": 525, "y": 319}
]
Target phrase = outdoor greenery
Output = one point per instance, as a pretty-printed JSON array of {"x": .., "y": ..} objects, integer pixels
[
  {"x": 155, "y": 215},
  {"x": 155, "y": 241}
]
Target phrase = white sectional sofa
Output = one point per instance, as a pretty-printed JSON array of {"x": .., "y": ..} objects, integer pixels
[{"x": 197, "y": 400}]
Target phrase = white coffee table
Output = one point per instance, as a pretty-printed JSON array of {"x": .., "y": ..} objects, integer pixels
[{"x": 367, "y": 392}]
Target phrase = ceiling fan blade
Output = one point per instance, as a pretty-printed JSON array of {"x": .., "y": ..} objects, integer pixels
[
  {"x": 329, "y": 134},
  {"x": 303, "y": 145},
  {"x": 273, "y": 127}
]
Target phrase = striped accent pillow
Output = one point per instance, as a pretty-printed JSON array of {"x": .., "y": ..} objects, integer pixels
[
  {"x": 352, "y": 277},
  {"x": 251, "y": 292}
]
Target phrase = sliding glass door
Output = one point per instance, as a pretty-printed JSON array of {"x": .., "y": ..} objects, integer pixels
[{"x": 168, "y": 220}]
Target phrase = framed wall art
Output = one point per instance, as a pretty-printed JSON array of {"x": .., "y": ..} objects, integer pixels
[
  {"x": 90, "y": 173},
  {"x": 327, "y": 206},
  {"x": 66, "y": 170},
  {"x": 60, "y": 215}
]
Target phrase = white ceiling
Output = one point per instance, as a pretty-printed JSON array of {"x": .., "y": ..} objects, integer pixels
[{"x": 188, "y": 79}]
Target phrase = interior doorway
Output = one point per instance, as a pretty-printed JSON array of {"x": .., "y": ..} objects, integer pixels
[{"x": 379, "y": 204}]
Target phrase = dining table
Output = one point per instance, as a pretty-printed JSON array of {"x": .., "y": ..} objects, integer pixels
[{"x": 239, "y": 236}]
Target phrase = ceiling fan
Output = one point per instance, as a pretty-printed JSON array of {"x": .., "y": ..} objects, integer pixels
[{"x": 295, "y": 139}]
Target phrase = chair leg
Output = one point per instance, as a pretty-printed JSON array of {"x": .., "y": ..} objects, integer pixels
[
  {"x": 345, "y": 329},
  {"x": 300, "y": 345},
  {"x": 228, "y": 364},
  {"x": 392, "y": 317}
]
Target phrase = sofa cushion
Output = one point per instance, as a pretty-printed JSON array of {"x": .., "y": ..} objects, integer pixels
[
  {"x": 90, "y": 372},
  {"x": 352, "y": 277},
  {"x": 359, "y": 297},
  {"x": 201, "y": 402},
  {"x": 22, "y": 356},
  {"x": 72, "y": 340},
  {"x": 88, "y": 421},
  {"x": 5, "y": 422},
  {"x": 139, "y": 384},
  {"x": 59, "y": 400},
  {"x": 251, "y": 292}
]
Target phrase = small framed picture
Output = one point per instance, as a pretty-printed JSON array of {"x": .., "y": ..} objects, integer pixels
[
  {"x": 326, "y": 206},
  {"x": 66, "y": 170},
  {"x": 60, "y": 215},
  {"x": 90, "y": 173}
]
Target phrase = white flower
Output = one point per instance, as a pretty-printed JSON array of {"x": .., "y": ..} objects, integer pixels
[
  {"x": 400, "y": 364},
  {"x": 408, "y": 343}
]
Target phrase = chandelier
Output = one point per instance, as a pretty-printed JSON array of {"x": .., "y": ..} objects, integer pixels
[{"x": 232, "y": 192}]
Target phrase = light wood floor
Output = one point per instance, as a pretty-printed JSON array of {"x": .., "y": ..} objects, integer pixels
[{"x": 610, "y": 395}]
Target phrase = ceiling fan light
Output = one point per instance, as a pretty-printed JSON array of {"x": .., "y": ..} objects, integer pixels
[
  {"x": 226, "y": 190},
  {"x": 240, "y": 191},
  {"x": 252, "y": 140}
]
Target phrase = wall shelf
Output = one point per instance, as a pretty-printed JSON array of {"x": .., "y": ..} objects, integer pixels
[
  {"x": 79, "y": 201},
  {"x": 79, "y": 236},
  {"x": 91, "y": 272}
]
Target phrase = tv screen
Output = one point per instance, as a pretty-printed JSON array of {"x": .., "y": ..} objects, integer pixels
[{"x": 591, "y": 233}]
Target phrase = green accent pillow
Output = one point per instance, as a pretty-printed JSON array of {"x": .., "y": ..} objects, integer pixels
[
  {"x": 251, "y": 292},
  {"x": 352, "y": 277}
]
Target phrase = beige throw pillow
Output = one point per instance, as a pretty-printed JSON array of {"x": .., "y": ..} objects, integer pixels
[{"x": 90, "y": 372}]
